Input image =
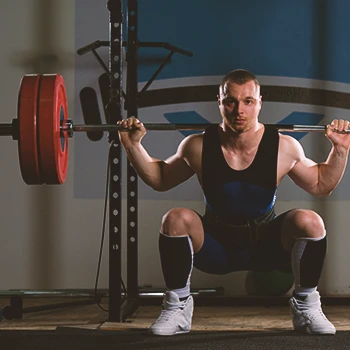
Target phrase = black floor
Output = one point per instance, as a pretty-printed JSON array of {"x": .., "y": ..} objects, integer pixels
[{"x": 69, "y": 339}]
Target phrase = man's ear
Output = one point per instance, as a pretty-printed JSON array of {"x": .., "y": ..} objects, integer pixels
[{"x": 219, "y": 101}]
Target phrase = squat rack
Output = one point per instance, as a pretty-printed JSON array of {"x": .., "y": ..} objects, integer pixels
[
  {"x": 122, "y": 303},
  {"x": 120, "y": 306}
]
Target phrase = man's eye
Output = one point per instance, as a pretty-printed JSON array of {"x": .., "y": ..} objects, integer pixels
[{"x": 248, "y": 102}]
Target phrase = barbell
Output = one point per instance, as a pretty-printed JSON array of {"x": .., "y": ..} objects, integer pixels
[{"x": 42, "y": 129}]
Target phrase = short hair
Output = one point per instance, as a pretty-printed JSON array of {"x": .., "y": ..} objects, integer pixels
[{"x": 240, "y": 77}]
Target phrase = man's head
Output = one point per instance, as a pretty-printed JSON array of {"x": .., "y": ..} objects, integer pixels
[
  {"x": 239, "y": 100},
  {"x": 239, "y": 77}
]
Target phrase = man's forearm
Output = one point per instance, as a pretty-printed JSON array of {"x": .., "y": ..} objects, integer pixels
[
  {"x": 331, "y": 172},
  {"x": 148, "y": 168}
]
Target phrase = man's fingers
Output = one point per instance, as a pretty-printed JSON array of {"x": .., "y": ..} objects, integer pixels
[
  {"x": 339, "y": 125},
  {"x": 130, "y": 123}
]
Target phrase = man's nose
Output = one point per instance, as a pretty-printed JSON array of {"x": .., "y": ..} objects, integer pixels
[{"x": 239, "y": 107}]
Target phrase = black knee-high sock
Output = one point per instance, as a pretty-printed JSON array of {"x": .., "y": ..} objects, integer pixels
[
  {"x": 176, "y": 255},
  {"x": 307, "y": 263}
]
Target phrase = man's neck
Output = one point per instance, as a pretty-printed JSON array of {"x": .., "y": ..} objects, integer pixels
[{"x": 246, "y": 140}]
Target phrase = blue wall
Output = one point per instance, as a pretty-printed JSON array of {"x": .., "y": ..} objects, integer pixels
[
  {"x": 292, "y": 42},
  {"x": 301, "y": 38}
]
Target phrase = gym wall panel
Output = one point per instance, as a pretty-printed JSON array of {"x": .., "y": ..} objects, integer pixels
[
  {"x": 299, "y": 45},
  {"x": 50, "y": 235}
]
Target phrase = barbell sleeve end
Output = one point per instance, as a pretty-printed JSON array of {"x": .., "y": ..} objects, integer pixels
[{"x": 10, "y": 129}]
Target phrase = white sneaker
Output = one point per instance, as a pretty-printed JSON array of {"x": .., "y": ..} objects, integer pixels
[
  {"x": 307, "y": 316},
  {"x": 176, "y": 316}
]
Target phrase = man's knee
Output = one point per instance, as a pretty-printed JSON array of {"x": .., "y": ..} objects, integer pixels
[
  {"x": 301, "y": 224},
  {"x": 306, "y": 224},
  {"x": 184, "y": 222},
  {"x": 178, "y": 221}
]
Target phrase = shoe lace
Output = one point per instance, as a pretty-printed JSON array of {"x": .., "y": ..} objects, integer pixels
[
  {"x": 169, "y": 310},
  {"x": 313, "y": 311}
]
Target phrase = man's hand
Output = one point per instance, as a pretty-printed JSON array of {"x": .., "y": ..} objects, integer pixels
[
  {"x": 132, "y": 133},
  {"x": 335, "y": 132}
]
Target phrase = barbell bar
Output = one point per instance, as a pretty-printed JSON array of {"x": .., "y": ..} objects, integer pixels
[
  {"x": 171, "y": 127},
  {"x": 42, "y": 128},
  {"x": 9, "y": 129}
]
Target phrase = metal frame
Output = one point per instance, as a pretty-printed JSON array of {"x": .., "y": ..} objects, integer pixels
[
  {"x": 114, "y": 110},
  {"x": 121, "y": 302},
  {"x": 132, "y": 183}
]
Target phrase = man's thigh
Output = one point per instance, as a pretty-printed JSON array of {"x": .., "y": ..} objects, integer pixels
[
  {"x": 219, "y": 257},
  {"x": 269, "y": 253}
]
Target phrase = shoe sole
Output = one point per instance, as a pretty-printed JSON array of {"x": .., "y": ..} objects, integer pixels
[
  {"x": 306, "y": 330},
  {"x": 162, "y": 333}
]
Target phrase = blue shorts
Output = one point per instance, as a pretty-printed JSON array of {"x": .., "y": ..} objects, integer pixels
[{"x": 219, "y": 258}]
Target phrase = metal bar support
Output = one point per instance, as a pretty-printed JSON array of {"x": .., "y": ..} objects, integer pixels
[
  {"x": 114, "y": 111},
  {"x": 132, "y": 183}
]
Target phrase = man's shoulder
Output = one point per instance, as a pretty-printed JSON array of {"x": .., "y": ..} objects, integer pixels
[
  {"x": 191, "y": 143},
  {"x": 289, "y": 144},
  {"x": 194, "y": 137},
  {"x": 287, "y": 139}
]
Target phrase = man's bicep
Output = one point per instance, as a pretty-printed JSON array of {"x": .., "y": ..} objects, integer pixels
[
  {"x": 175, "y": 171},
  {"x": 302, "y": 170},
  {"x": 184, "y": 163},
  {"x": 305, "y": 174}
]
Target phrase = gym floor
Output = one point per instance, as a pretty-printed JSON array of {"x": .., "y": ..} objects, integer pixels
[{"x": 217, "y": 325}]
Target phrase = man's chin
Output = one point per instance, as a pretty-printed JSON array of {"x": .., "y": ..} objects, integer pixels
[{"x": 239, "y": 129}]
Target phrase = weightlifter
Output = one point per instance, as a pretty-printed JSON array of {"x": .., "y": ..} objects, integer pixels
[{"x": 239, "y": 165}]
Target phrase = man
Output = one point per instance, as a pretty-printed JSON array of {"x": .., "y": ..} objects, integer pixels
[{"x": 239, "y": 165}]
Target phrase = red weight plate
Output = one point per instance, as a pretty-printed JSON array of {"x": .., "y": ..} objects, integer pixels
[
  {"x": 53, "y": 144},
  {"x": 27, "y": 120}
]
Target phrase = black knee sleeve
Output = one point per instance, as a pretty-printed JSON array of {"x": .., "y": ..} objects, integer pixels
[
  {"x": 311, "y": 262},
  {"x": 176, "y": 255}
]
